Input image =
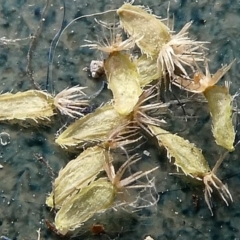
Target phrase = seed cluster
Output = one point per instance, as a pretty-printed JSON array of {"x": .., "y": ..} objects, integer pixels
[{"x": 163, "y": 55}]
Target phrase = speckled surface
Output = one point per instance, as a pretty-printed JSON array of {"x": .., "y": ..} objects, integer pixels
[{"x": 25, "y": 182}]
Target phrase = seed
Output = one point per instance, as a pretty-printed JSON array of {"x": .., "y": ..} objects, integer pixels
[
  {"x": 96, "y": 197},
  {"x": 147, "y": 69},
  {"x": 190, "y": 159},
  {"x": 77, "y": 174},
  {"x": 124, "y": 82},
  {"x": 93, "y": 127},
  {"x": 187, "y": 156},
  {"x": 220, "y": 106},
  {"x": 149, "y": 32},
  {"x": 32, "y": 106}
]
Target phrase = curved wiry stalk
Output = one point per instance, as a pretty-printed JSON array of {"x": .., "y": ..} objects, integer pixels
[
  {"x": 121, "y": 136},
  {"x": 115, "y": 178}
]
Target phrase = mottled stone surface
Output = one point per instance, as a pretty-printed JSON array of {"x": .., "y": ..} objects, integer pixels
[{"x": 181, "y": 212}]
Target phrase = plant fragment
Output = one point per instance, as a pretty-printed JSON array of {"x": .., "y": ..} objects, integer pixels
[
  {"x": 121, "y": 136},
  {"x": 115, "y": 177},
  {"x": 180, "y": 50},
  {"x": 219, "y": 102},
  {"x": 116, "y": 44},
  {"x": 71, "y": 101},
  {"x": 157, "y": 41},
  {"x": 201, "y": 81},
  {"x": 141, "y": 114},
  {"x": 187, "y": 156}
]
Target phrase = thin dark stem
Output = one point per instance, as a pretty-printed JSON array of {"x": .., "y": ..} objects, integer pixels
[
  {"x": 33, "y": 45},
  {"x": 52, "y": 51}
]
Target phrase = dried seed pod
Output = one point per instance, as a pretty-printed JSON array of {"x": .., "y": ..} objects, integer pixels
[
  {"x": 77, "y": 174},
  {"x": 124, "y": 82},
  {"x": 190, "y": 159},
  {"x": 92, "y": 127},
  {"x": 149, "y": 32},
  {"x": 32, "y": 106},
  {"x": 220, "y": 106},
  {"x": 98, "y": 196}
]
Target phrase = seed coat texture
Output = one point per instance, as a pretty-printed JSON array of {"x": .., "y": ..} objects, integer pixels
[
  {"x": 187, "y": 156},
  {"x": 30, "y": 105},
  {"x": 124, "y": 82},
  {"x": 93, "y": 127},
  {"x": 220, "y": 106},
  {"x": 98, "y": 196},
  {"x": 149, "y": 33},
  {"x": 77, "y": 174},
  {"x": 148, "y": 70}
]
